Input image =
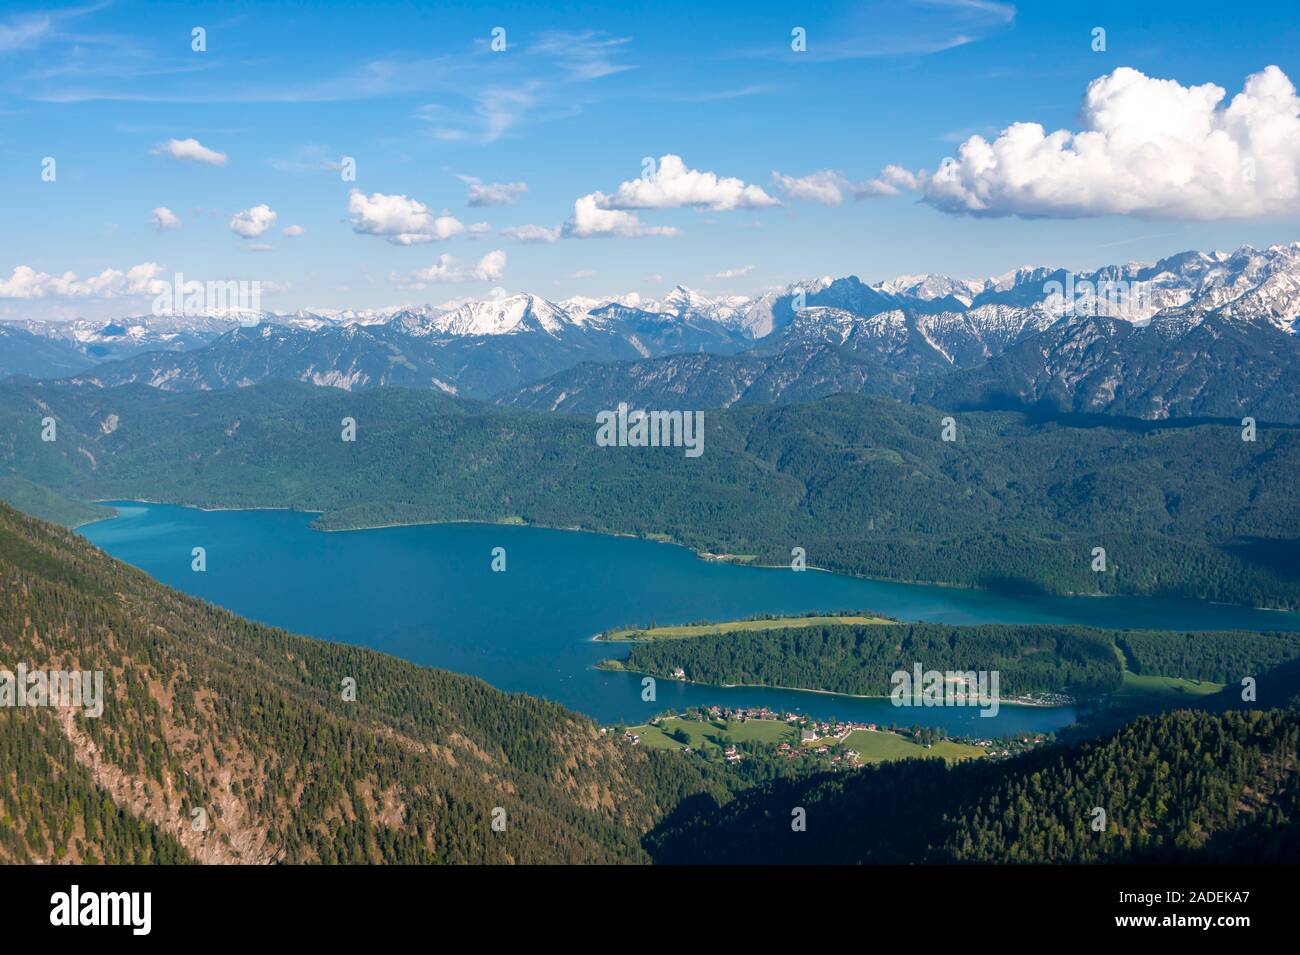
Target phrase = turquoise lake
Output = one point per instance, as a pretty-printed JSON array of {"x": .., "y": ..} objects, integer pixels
[{"x": 428, "y": 594}]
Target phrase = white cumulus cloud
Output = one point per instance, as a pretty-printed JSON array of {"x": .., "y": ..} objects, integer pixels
[
  {"x": 399, "y": 219},
  {"x": 671, "y": 185},
  {"x": 831, "y": 187},
  {"x": 27, "y": 283},
  {"x": 191, "y": 150},
  {"x": 292, "y": 231},
  {"x": 533, "y": 233},
  {"x": 827, "y": 187},
  {"x": 165, "y": 219},
  {"x": 490, "y": 268},
  {"x": 1149, "y": 147},
  {"x": 591, "y": 220},
  {"x": 891, "y": 181},
  {"x": 493, "y": 193},
  {"x": 251, "y": 223}
]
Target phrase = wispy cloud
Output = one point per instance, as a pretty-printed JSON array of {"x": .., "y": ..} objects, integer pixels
[
  {"x": 583, "y": 56},
  {"x": 375, "y": 78},
  {"x": 24, "y": 30},
  {"x": 898, "y": 28},
  {"x": 479, "y": 96},
  {"x": 550, "y": 78},
  {"x": 492, "y": 113},
  {"x": 725, "y": 95},
  {"x": 27, "y": 30}
]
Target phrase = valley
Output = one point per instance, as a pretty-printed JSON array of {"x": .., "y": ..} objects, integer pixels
[
  {"x": 606, "y": 441},
  {"x": 864, "y": 486},
  {"x": 246, "y": 720},
  {"x": 528, "y": 629}
]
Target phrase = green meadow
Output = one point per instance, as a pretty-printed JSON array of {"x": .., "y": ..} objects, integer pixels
[
  {"x": 873, "y": 747},
  {"x": 733, "y": 626},
  {"x": 1165, "y": 686},
  {"x": 883, "y": 747},
  {"x": 715, "y": 733}
]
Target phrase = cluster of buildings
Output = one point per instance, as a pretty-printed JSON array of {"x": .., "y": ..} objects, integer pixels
[
  {"x": 850, "y": 757},
  {"x": 1014, "y": 748},
  {"x": 814, "y": 729},
  {"x": 740, "y": 713}
]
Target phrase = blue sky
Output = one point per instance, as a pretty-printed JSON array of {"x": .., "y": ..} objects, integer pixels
[{"x": 580, "y": 95}]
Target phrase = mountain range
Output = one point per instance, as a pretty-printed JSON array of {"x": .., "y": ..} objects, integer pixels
[{"x": 1195, "y": 334}]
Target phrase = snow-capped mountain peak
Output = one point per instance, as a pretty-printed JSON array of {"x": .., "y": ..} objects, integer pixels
[
  {"x": 931, "y": 286},
  {"x": 497, "y": 316}
]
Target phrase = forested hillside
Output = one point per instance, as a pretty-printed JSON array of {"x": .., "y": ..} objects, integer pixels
[
  {"x": 49, "y": 505},
  {"x": 864, "y": 485},
  {"x": 1182, "y": 787},
  {"x": 859, "y": 658},
  {"x": 205, "y": 711}
]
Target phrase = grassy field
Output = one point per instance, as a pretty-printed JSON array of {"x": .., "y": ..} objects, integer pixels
[
  {"x": 881, "y": 747},
  {"x": 716, "y": 733},
  {"x": 733, "y": 626},
  {"x": 1165, "y": 686},
  {"x": 873, "y": 747}
]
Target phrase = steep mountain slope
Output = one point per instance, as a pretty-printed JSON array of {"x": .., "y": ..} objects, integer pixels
[
  {"x": 339, "y": 357},
  {"x": 48, "y": 505},
  {"x": 798, "y": 373},
  {"x": 22, "y": 353},
  {"x": 348, "y": 357},
  {"x": 865, "y": 485},
  {"x": 1180, "y": 365},
  {"x": 1192, "y": 335},
  {"x": 205, "y": 711}
]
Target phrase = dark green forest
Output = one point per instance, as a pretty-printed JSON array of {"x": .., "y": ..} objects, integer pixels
[
  {"x": 1217, "y": 656},
  {"x": 864, "y": 485},
  {"x": 1030, "y": 658},
  {"x": 206, "y": 710},
  {"x": 1182, "y": 787}
]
